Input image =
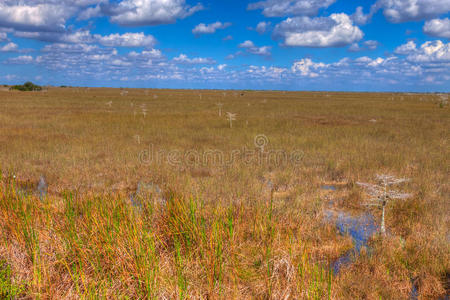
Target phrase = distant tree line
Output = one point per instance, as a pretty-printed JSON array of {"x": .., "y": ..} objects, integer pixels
[{"x": 27, "y": 87}]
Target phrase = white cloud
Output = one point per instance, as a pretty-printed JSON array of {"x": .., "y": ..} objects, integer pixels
[
  {"x": 371, "y": 44},
  {"x": 407, "y": 48},
  {"x": 355, "y": 48},
  {"x": 438, "y": 28},
  {"x": 90, "y": 12},
  {"x": 434, "y": 51},
  {"x": 24, "y": 59},
  {"x": 48, "y": 17},
  {"x": 267, "y": 73},
  {"x": 334, "y": 31},
  {"x": 70, "y": 48},
  {"x": 3, "y": 36},
  {"x": 209, "y": 28},
  {"x": 85, "y": 37},
  {"x": 250, "y": 47},
  {"x": 429, "y": 52},
  {"x": 359, "y": 17},
  {"x": 262, "y": 27},
  {"x": 120, "y": 63},
  {"x": 10, "y": 77},
  {"x": 81, "y": 36},
  {"x": 368, "y": 45},
  {"x": 9, "y": 47},
  {"x": 184, "y": 59},
  {"x": 376, "y": 62},
  {"x": 126, "y": 40},
  {"x": 279, "y": 8},
  {"x": 397, "y": 11},
  {"x": 306, "y": 67},
  {"x": 228, "y": 38},
  {"x": 149, "y": 12},
  {"x": 40, "y": 15},
  {"x": 150, "y": 54}
]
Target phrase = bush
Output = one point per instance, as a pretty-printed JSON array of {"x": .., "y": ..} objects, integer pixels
[{"x": 27, "y": 87}]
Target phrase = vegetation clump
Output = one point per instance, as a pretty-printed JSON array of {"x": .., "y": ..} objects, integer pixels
[{"x": 27, "y": 87}]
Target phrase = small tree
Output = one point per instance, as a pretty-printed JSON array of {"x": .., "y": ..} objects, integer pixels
[
  {"x": 27, "y": 87},
  {"x": 220, "y": 105},
  {"x": 231, "y": 117},
  {"x": 382, "y": 194}
]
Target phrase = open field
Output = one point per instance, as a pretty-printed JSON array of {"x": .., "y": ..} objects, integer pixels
[{"x": 218, "y": 212}]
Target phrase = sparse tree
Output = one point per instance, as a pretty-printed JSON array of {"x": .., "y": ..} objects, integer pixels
[
  {"x": 220, "y": 105},
  {"x": 382, "y": 194},
  {"x": 231, "y": 117},
  {"x": 444, "y": 100}
]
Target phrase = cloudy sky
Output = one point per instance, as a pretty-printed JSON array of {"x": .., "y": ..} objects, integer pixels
[{"x": 357, "y": 45}]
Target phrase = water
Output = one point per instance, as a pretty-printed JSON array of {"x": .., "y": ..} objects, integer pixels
[
  {"x": 145, "y": 192},
  {"x": 360, "y": 228},
  {"x": 414, "y": 294},
  {"x": 42, "y": 188},
  {"x": 328, "y": 187}
]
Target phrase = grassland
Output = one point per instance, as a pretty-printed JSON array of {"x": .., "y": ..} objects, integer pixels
[{"x": 235, "y": 227}]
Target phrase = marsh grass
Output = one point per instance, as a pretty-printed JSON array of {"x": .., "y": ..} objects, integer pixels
[{"x": 222, "y": 232}]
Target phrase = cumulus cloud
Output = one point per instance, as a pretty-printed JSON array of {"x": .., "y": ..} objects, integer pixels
[
  {"x": 306, "y": 67},
  {"x": 397, "y": 11},
  {"x": 438, "y": 28},
  {"x": 23, "y": 59},
  {"x": 81, "y": 36},
  {"x": 360, "y": 18},
  {"x": 9, "y": 47},
  {"x": 126, "y": 40},
  {"x": 91, "y": 62},
  {"x": 250, "y": 47},
  {"x": 262, "y": 27},
  {"x": 149, "y": 12},
  {"x": 407, "y": 48},
  {"x": 268, "y": 73},
  {"x": 70, "y": 48},
  {"x": 280, "y": 8},
  {"x": 46, "y": 17},
  {"x": 184, "y": 59},
  {"x": 209, "y": 28},
  {"x": 371, "y": 44},
  {"x": 367, "y": 45},
  {"x": 40, "y": 15},
  {"x": 147, "y": 54},
  {"x": 334, "y": 31},
  {"x": 3, "y": 36},
  {"x": 429, "y": 52},
  {"x": 85, "y": 37},
  {"x": 90, "y": 12}
]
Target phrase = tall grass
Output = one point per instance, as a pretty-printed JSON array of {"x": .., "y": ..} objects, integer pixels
[{"x": 220, "y": 233}]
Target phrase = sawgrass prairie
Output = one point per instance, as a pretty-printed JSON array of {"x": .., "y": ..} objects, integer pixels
[{"x": 157, "y": 194}]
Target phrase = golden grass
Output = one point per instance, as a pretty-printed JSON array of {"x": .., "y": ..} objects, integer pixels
[{"x": 222, "y": 231}]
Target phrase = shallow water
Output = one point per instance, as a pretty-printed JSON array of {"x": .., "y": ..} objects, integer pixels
[
  {"x": 328, "y": 187},
  {"x": 360, "y": 228}
]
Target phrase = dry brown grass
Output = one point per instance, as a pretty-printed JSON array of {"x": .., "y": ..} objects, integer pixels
[{"x": 222, "y": 233}]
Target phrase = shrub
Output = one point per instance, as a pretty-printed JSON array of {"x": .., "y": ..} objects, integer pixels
[{"x": 27, "y": 87}]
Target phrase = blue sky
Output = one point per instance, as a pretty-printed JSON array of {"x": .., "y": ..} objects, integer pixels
[{"x": 361, "y": 45}]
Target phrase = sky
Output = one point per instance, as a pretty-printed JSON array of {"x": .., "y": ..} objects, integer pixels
[{"x": 335, "y": 45}]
